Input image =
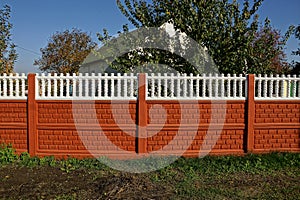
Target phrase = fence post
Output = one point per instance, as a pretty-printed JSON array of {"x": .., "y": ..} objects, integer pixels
[
  {"x": 31, "y": 116},
  {"x": 142, "y": 115},
  {"x": 249, "y": 147}
]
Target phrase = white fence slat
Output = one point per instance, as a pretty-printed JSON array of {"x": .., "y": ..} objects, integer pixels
[
  {"x": 204, "y": 86},
  {"x": 228, "y": 85},
  {"x": 159, "y": 86},
  {"x": 119, "y": 78},
  {"x": 55, "y": 85},
  {"x": 12, "y": 86},
  {"x": 285, "y": 87}
]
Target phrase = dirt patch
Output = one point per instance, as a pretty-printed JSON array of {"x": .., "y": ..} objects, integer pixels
[
  {"x": 52, "y": 183},
  {"x": 46, "y": 182}
]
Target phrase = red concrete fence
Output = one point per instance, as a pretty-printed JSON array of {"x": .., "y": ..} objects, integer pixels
[{"x": 143, "y": 125}]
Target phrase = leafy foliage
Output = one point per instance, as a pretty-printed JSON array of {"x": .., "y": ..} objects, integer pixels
[
  {"x": 230, "y": 32},
  {"x": 7, "y": 154},
  {"x": 8, "y": 54},
  {"x": 152, "y": 50},
  {"x": 296, "y": 67},
  {"x": 65, "y": 52}
]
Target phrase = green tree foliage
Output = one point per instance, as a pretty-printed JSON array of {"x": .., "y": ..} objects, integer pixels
[
  {"x": 296, "y": 67},
  {"x": 147, "y": 59},
  {"x": 8, "y": 54},
  {"x": 267, "y": 50},
  {"x": 230, "y": 31},
  {"x": 65, "y": 52}
]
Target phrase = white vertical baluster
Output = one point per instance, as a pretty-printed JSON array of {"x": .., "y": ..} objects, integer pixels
[
  {"x": 222, "y": 86},
  {"x": 228, "y": 85},
  {"x": 105, "y": 85},
  {"x": 271, "y": 88},
  {"x": 265, "y": 91},
  {"x": 165, "y": 85},
  {"x": 125, "y": 89},
  {"x": 55, "y": 85},
  {"x": 131, "y": 85},
  {"x": 259, "y": 85},
  {"x": 234, "y": 86},
  {"x": 294, "y": 86},
  {"x": 241, "y": 86},
  {"x": 4, "y": 85},
  {"x": 61, "y": 85},
  {"x": 11, "y": 86},
  {"x": 289, "y": 86},
  {"x": 23, "y": 77},
  {"x": 178, "y": 86},
  {"x": 43, "y": 85},
  {"x": 112, "y": 79},
  {"x": 210, "y": 86},
  {"x": 191, "y": 86},
  {"x": 299, "y": 87},
  {"x": 216, "y": 85},
  {"x": 172, "y": 89},
  {"x": 0, "y": 86},
  {"x": 80, "y": 77},
  {"x": 277, "y": 86},
  {"x": 159, "y": 85},
  {"x": 146, "y": 86},
  {"x": 93, "y": 92},
  {"x": 38, "y": 87},
  {"x": 204, "y": 85},
  {"x": 17, "y": 85},
  {"x": 184, "y": 90},
  {"x": 119, "y": 88},
  {"x": 152, "y": 85},
  {"x": 282, "y": 86},
  {"x": 86, "y": 85},
  {"x": 74, "y": 85},
  {"x": 68, "y": 85},
  {"x": 197, "y": 86},
  {"x": 99, "y": 80},
  {"x": 49, "y": 85}
]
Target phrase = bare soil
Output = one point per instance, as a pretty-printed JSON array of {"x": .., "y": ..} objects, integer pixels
[
  {"x": 52, "y": 183},
  {"x": 45, "y": 182}
]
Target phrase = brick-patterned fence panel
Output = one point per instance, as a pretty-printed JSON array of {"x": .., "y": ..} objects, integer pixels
[
  {"x": 230, "y": 141},
  {"x": 277, "y": 126},
  {"x": 13, "y": 123},
  {"x": 57, "y": 132},
  {"x": 145, "y": 120}
]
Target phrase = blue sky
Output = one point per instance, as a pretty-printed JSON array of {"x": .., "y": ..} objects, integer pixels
[{"x": 34, "y": 21}]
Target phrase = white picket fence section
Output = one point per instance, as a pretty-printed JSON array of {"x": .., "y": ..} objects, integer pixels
[
  {"x": 158, "y": 87},
  {"x": 191, "y": 87},
  {"x": 13, "y": 86},
  {"x": 86, "y": 87},
  {"x": 277, "y": 87}
]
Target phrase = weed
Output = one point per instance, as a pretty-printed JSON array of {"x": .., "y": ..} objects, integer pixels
[{"x": 7, "y": 154}]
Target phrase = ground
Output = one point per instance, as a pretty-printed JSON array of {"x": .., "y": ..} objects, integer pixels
[{"x": 46, "y": 182}]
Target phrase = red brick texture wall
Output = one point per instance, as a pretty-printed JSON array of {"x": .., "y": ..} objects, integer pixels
[
  {"x": 109, "y": 128},
  {"x": 13, "y": 124},
  {"x": 60, "y": 132},
  {"x": 229, "y": 129},
  {"x": 277, "y": 126}
]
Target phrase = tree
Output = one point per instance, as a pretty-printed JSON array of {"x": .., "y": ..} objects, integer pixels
[
  {"x": 8, "y": 54},
  {"x": 141, "y": 57},
  {"x": 230, "y": 32},
  {"x": 65, "y": 52},
  {"x": 296, "y": 67},
  {"x": 267, "y": 49}
]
